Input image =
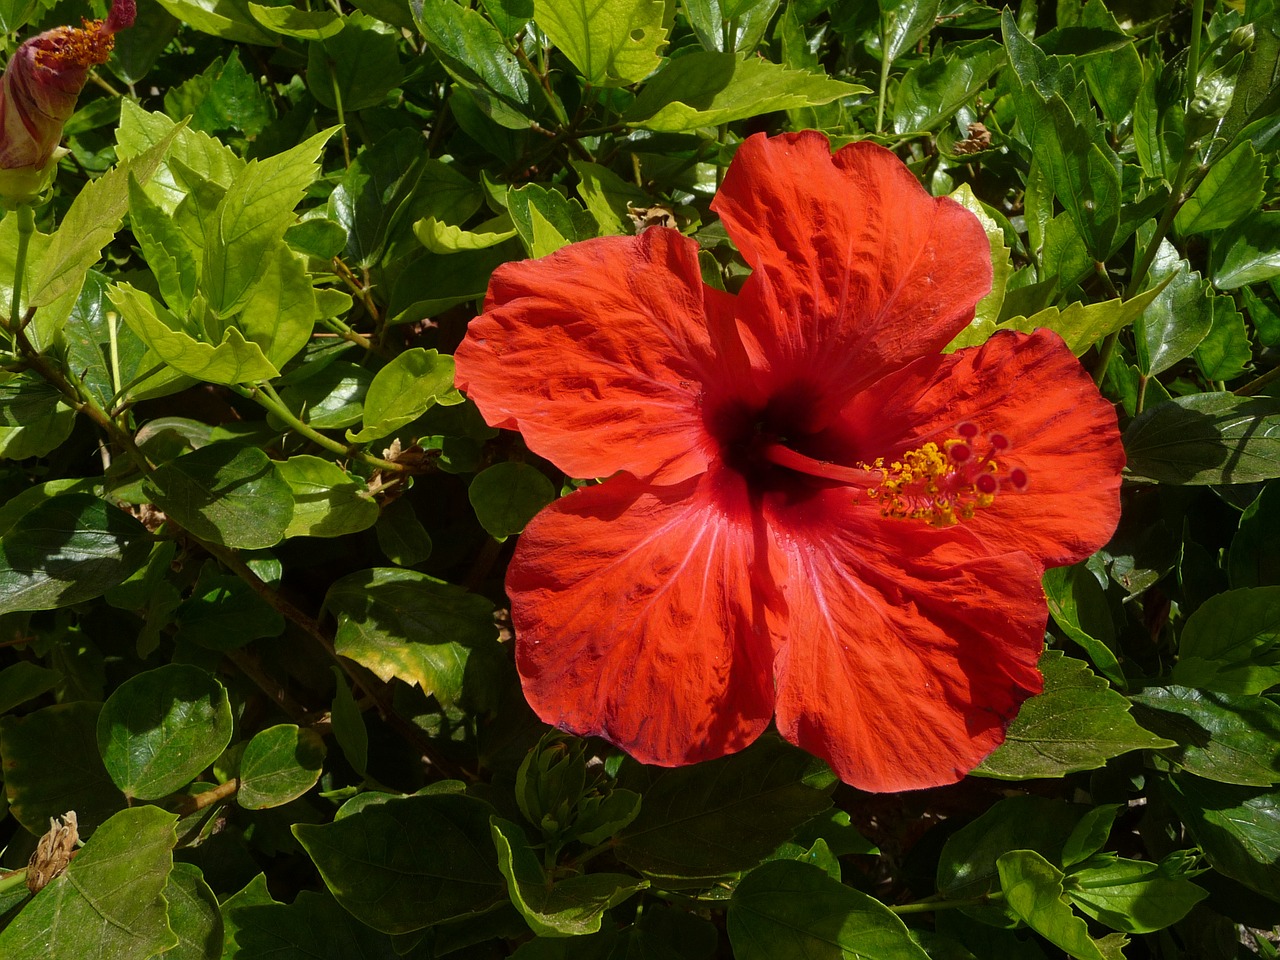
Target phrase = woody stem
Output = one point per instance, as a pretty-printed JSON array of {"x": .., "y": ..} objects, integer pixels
[{"x": 782, "y": 456}]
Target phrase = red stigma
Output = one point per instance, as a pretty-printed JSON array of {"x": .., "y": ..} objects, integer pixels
[{"x": 967, "y": 430}]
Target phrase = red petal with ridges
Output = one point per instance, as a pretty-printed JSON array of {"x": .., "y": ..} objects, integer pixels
[
  {"x": 857, "y": 269},
  {"x": 907, "y": 649},
  {"x": 597, "y": 354},
  {"x": 636, "y": 618},
  {"x": 1060, "y": 429}
]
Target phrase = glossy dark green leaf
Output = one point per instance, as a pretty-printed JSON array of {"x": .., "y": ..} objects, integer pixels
[
  {"x": 1230, "y": 191},
  {"x": 24, "y": 681},
  {"x": 1132, "y": 896},
  {"x": 291, "y": 22},
  {"x": 278, "y": 765},
  {"x": 570, "y": 907},
  {"x": 329, "y": 399},
  {"x": 313, "y": 927},
  {"x": 473, "y": 52},
  {"x": 327, "y": 501},
  {"x": 1078, "y": 723},
  {"x": 1115, "y": 76},
  {"x": 1231, "y": 644},
  {"x": 69, "y": 548},
  {"x": 1231, "y": 739},
  {"x": 254, "y": 894},
  {"x": 224, "y": 97},
  {"x": 1254, "y": 558},
  {"x": 223, "y": 613},
  {"x": 932, "y": 92},
  {"x": 348, "y": 724},
  {"x": 1033, "y": 890},
  {"x": 967, "y": 868},
  {"x": 1206, "y": 438},
  {"x": 358, "y": 66},
  {"x": 724, "y": 815},
  {"x": 110, "y": 903},
  {"x": 1078, "y": 605},
  {"x": 506, "y": 497},
  {"x": 1225, "y": 351},
  {"x": 730, "y": 25},
  {"x": 226, "y": 19},
  {"x": 227, "y": 494},
  {"x": 1248, "y": 252},
  {"x": 38, "y": 790},
  {"x": 159, "y": 729},
  {"x": 1177, "y": 319},
  {"x": 401, "y": 536},
  {"x": 786, "y": 910},
  {"x": 903, "y": 24},
  {"x": 408, "y": 863},
  {"x": 399, "y": 623},
  {"x": 704, "y": 89},
  {"x": 193, "y": 915},
  {"x": 1237, "y": 827}
]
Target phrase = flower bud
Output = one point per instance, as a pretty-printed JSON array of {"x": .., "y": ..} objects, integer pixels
[{"x": 38, "y": 94}]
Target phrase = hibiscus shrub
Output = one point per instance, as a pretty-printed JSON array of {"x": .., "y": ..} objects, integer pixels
[{"x": 730, "y": 478}]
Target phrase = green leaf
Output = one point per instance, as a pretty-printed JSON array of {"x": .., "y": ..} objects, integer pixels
[
  {"x": 506, "y": 497},
  {"x": 1237, "y": 827},
  {"x": 608, "y": 197},
  {"x": 1115, "y": 77},
  {"x": 166, "y": 251},
  {"x": 408, "y": 863},
  {"x": 39, "y": 790},
  {"x": 1132, "y": 896},
  {"x": 704, "y": 89},
  {"x": 1254, "y": 558},
  {"x": 193, "y": 915},
  {"x": 278, "y": 765},
  {"x": 1078, "y": 723},
  {"x": 234, "y": 360},
  {"x": 546, "y": 219},
  {"x": 474, "y": 53},
  {"x": 932, "y": 92},
  {"x": 223, "y": 613},
  {"x": 1177, "y": 319},
  {"x": 571, "y": 907},
  {"x": 1230, "y": 191},
  {"x": 612, "y": 44},
  {"x": 110, "y": 903},
  {"x": 24, "y": 681},
  {"x": 401, "y": 536},
  {"x": 251, "y": 219},
  {"x": 1247, "y": 252},
  {"x": 744, "y": 22},
  {"x": 444, "y": 238},
  {"x": 1206, "y": 438},
  {"x": 254, "y": 894},
  {"x": 1231, "y": 644},
  {"x": 230, "y": 495},
  {"x": 722, "y": 816},
  {"x": 88, "y": 225},
  {"x": 358, "y": 67},
  {"x": 348, "y": 724},
  {"x": 226, "y": 19},
  {"x": 399, "y": 623},
  {"x": 280, "y": 311},
  {"x": 69, "y": 548},
  {"x": 1033, "y": 890},
  {"x": 221, "y": 99},
  {"x": 327, "y": 501},
  {"x": 404, "y": 390},
  {"x": 1225, "y": 351},
  {"x": 903, "y": 24},
  {"x": 967, "y": 868},
  {"x": 313, "y": 927},
  {"x": 329, "y": 399},
  {"x": 787, "y": 910},
  {"x": 1082, "y": 325},
  {"x": 160, "y": 728},
  {"x": 289, "y": 21},
  {"x": 1078, "y": 605},
  {"x": 1231, "y": 739},
  {"x": 196, "y": 153}
]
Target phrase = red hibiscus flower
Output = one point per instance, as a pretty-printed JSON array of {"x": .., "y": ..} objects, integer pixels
[
  {"x": 811, "y": 513},
  {"x": 38, "y": 94}
]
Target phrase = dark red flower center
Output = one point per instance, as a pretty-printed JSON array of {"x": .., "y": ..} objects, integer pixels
[{"x": 940, "y": 481}]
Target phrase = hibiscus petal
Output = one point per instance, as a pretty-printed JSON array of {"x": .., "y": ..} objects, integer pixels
[
  {"x": 597, "y": 354},
  {"x": 907, "y": 649},
  {"x": 637, "y": 620},
  {"x": 856, "y": 268},
  {"x": 1031, "y": 390}
]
